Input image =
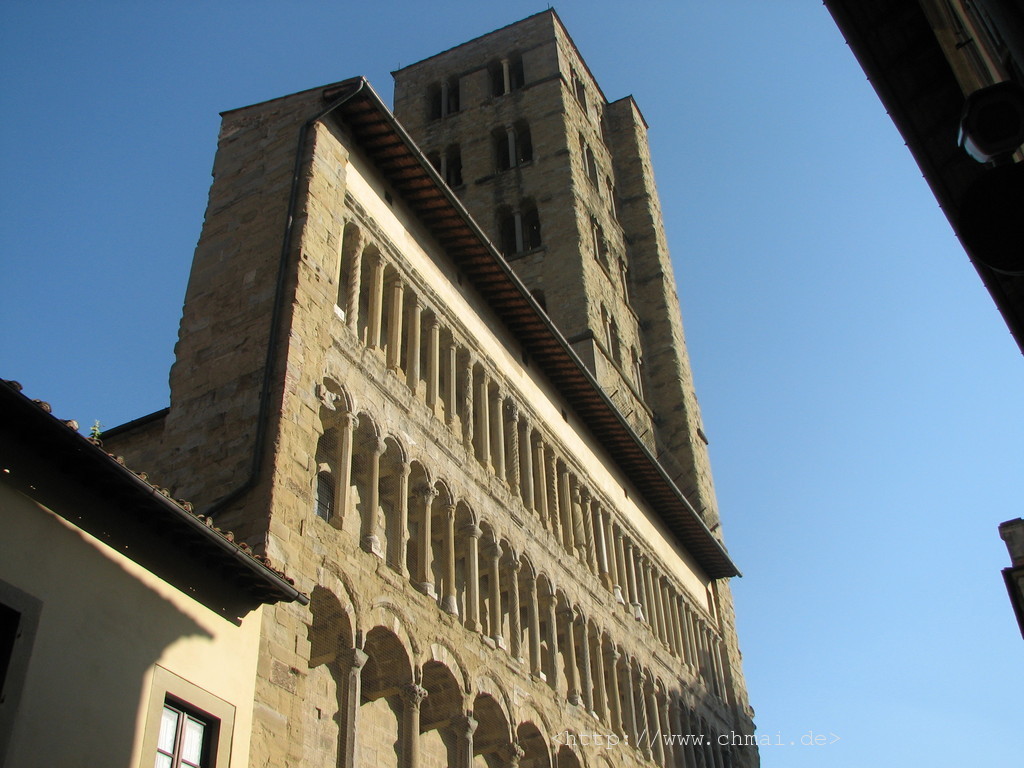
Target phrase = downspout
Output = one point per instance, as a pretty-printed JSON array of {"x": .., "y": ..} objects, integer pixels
[{"x": 262, "y": 416}]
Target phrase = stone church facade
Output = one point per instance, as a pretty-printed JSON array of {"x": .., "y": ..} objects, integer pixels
[{"x": 433, "y": 367}]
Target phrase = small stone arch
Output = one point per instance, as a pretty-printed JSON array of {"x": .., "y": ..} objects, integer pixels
[{"x": 387, "y": 615}]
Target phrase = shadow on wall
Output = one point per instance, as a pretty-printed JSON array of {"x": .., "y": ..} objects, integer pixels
[{"x": 99, "y": 634}]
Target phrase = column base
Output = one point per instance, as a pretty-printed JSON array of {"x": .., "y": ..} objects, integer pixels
[
  {"x": 450, "y": 605},
  {"x": 427, "y": 588},
  {"x": 371, "y": 544}
]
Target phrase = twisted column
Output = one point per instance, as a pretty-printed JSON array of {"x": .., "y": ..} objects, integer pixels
[
  {"x": 514, "y": 618},
  {"x": 513, "y": 446}
]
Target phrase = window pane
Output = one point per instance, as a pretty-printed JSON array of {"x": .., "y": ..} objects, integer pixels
[
  {"x": 168, "y": 727},
  {"x": 163, "y": 761},
  {"x": 192, "y": 741}
]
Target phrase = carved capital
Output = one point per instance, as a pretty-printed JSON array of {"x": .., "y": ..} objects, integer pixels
[
  {"x": 512, "y": 410},
  {"x": 471, "y": 531},
  {"x": 357, "y": 658},
  {"x": 427, "y": 494},
  {"x": 467, "y": 725},
  {"x": 414, "y": 694}
]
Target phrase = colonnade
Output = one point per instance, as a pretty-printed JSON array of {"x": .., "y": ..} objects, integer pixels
[
  {"x": 424, "y": 711},
  {"x": 369, "y": 484}
]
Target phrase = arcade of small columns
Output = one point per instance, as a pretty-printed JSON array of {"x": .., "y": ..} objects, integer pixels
[
  {"x": 391, "y": 494},
  {"x": 400, "y": 707}
]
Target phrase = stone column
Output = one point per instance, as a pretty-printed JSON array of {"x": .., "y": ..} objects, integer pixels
[
  {"x": 506, "y": 75},
  {"x": 552, "y": 644},
  {"x": 353, "y": 696},
  {"x": 646, "y": 593},
  {"x": 396, "y": 553},
  {"x": 344, "y": 478},
  {"x": 526, "y": 451},
  {"x": 552, "y": 483},
  {"x": 483, "y": 421},
  {"x": 668, "y": 745},
  {"x": 614, "y": 702},
  {"x": 659, "y": 604},
  {"x": 369, "y": 539},
  {"x": 540, "y": 497},
  {"x": 449, "y": 603},
  {"x": 412, "y": 375},
  {"x": 604, "y": 570},
  {"x": 673, "y": 608},
  {"x": 513, "y": 468},
  {"x": 646, "y": 731},
  {"x": 587, "y": 513},
  {"x": 467, "y": 408},
  {"x": 444, "y": 99},
  {"x": 448, "y": 391},
  {"x": 376, "y": 306},
  {"x": 518, "y": 217},
  {"x": 425, "y": 577},
  {"x": 533, "y": 606},
  {"x": 634, "y": 598},
  {"x": 510, "y": 135},
  {"x": 465, "y": 727},
  {"x": 691, "y": 640},
  {"x": 716, "y": 657},
  {"x": 498, "y": 437},
  {"x": 472, "y": 533},
  {"x": 355, "y": 282},
  {"x": 515, "y": 629},
  {"x": 654, "y": 723},
  {"x": 396, "y": 316},
  {"x": 494, "y": 551},
  {"x": 413, "y": 695},
  {"x": 565, "y": 507},
  {"x": 433, "y": 363},
  {"x": 629, "y": 694},
  {"x": 621, "y": 586},
  {"x": 587, "y": 679},
  {"x": 570, "y": 656},
  {"x": 600, "y": 691},
  {"x": 681, "y": 751}
]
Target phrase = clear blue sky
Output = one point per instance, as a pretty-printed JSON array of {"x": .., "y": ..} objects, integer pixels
[{"x": 860, "y": 391}]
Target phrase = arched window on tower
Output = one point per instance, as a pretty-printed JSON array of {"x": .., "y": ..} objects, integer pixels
[
  {"x": 453, "y": 166},
  {"x": 599, "y": 244},
  {"x": 324, "y": 495},
  {"x": 531, "y": 226},
  {"x": 512, "y": 146},
  {"x": 638, "y": 374},
  {"x": 579, "y": 90},
  {"x": 519, "y": 229},
  {"x": 506, "y": 74}
]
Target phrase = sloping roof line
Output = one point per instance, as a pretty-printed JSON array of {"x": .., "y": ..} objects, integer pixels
[
  {"x": 365, "y": 115},
  {"x": 60, "y": 442}
]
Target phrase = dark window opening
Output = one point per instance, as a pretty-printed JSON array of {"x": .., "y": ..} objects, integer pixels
[
  {"x": 453, "y": 166},
  {"x": 506, "y": 75},
  {"x": 324, "y": 495},
  {"x": 512, "y": 146}
]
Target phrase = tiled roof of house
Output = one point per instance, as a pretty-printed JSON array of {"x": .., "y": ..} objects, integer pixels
[{"x": 31, "y": 427}]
